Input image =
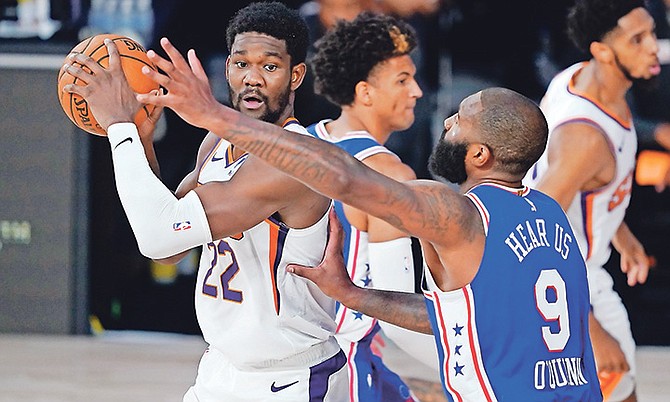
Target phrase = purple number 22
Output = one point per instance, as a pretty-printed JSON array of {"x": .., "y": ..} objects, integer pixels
[{"x": 220, "y": 250}]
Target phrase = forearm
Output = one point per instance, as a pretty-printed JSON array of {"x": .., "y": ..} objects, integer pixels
[
  {"x": 326, "y": 169},
  {"x": 323, "y": 167},
  {"x": 163, "y": 225},
  {"x": 150, "y": 153},
  {"x": 407, "y": 310},
  {"x": 622, "y": 237}
]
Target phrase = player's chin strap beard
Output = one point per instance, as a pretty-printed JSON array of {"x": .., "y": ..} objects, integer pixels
[{"x": 644, "y": 84}]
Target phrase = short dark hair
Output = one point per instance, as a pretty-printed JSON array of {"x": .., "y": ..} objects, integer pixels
[
  {"x": 274, "y": 19},
  {"x": 347, "y": 53},
  {"x": 514, "y": 128},
  {"x": 590, "y": 20}
]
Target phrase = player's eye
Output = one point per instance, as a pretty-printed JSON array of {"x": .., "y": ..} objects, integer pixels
[
  {"x": 240, "y": 64},
  {"x": 271, "y": 67}
]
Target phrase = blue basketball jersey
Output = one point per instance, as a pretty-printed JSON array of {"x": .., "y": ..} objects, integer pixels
[
  {"x": 529, "y": 302},
  {"x": 369, "y": 379}
]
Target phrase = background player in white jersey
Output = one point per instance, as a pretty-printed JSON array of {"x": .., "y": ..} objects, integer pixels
[
  {"x": 364, "y": 67},
  {"x": 488, "y": 146},
  {"x": 270, "y": 336},
  {"x": 589, "y": 162}
]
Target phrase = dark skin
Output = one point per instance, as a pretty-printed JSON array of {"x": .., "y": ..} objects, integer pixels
[
  {"x": 447, "y": 222},
  {"x": 259, "y": 64}
]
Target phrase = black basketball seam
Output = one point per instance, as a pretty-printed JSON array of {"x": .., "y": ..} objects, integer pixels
[
  {"x": 84, "y": 51},
  {"x": 74, "y": 81}
]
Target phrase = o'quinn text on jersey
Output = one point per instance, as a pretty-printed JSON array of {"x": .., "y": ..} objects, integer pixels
[
  {"x": 530, "y": 235},
  {"x": 559, "y": 372}
]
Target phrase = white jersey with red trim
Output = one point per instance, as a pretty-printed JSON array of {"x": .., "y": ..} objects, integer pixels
[
  {"x": 595, "y": 215},
  {"x": 249, "y": 308}
]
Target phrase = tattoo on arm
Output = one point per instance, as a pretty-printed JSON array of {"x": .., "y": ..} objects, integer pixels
[
  {"x": 407, "y": 310},
  {"x": 423, "y": 210}
]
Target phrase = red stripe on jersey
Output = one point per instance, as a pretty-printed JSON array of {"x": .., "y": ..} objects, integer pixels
[
  {"x": 475, "y": 357},
  {"x": 445, "y": 346},
  {"x": 351, "y": 276}
]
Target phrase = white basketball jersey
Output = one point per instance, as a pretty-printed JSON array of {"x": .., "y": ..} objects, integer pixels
[
  {"x": 595, "y": 215},
  {"x": 248, "y": 307}
]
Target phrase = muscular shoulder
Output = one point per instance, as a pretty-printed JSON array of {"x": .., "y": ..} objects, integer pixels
[
  {"x": 579, "y": 141},
  {"x": 390, "y": 165}
]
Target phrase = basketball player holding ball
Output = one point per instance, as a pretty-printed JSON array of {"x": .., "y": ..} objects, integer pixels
[
  {"x": 133, "y": 58},
  {"x": 270, "y": 334}
]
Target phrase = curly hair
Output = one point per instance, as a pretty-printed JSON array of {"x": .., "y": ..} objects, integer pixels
[
  {"x": 273, "y": 19},
  {"x": 590, "y": 20},
  {"x": 347, "y": 53}
]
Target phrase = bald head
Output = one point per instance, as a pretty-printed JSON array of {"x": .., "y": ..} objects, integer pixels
[{"x": 514, "y": 127}]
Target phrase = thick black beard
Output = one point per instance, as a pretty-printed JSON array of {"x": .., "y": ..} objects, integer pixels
[
  {"x": 448, "y": 161},
  {"x": 270, "y": 115}
]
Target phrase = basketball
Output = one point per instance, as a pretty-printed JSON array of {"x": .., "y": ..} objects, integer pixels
[{"x": 133, "y": 58}]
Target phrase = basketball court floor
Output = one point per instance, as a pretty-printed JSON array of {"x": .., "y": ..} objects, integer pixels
[{"x": 131, "y": 366}]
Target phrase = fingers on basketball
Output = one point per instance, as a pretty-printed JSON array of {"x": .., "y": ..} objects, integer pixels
[{"x": 133, "y": 58}]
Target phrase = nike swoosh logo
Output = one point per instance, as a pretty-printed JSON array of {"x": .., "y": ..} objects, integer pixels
[
  {"x": 215, "y": 159},
  {"x": 273, "y": 388},
  {"x": 127, "y": 139}
]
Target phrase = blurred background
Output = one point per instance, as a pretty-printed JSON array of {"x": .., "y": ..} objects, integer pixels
[{"x": 69, "y": 263}]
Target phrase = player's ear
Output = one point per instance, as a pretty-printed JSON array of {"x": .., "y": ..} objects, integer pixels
[
  {"x": 601, "y": 52},
  {"x": 227, "y": 65},
  {"x": 298, "y": 75},
  {"x": 362, "y": 93},
  {"x": 479, "y": 154}
]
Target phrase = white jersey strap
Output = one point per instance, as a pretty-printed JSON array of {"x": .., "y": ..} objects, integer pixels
[{"x": 163, "y": 225}]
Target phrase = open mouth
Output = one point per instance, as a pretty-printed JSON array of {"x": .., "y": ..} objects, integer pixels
[{"x": 252, "y": 101}]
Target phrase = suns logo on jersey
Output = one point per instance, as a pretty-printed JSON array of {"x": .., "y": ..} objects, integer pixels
[{"x": 622, "y": 191}]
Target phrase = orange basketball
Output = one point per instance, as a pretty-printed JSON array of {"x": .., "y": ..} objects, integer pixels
[{"x": 133, "y": 58}]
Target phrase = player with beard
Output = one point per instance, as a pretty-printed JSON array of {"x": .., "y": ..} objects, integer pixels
[
  {"x": 270, "y": 334},
  {"x": 509, "y": 309},
  {"x": 589, "y": 163}
]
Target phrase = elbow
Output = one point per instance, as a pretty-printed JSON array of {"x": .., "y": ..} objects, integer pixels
[
  {"x": 342, "y": 186},
  {"x": 162, "y": 252},
  {"x": 175, "y": 259},
  {"x": 155, "y": 252}
]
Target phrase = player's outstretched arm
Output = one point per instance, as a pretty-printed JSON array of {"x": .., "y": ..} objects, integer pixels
[
  {"x": 407, "y": 310},
  {"x": 429, "y": 210}
]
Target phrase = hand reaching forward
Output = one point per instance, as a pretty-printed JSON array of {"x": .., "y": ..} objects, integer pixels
[
  {"x": 331, "y": 275},
  {"x": 188, "y": 91},
  {"x": 106, "y": 90}
]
